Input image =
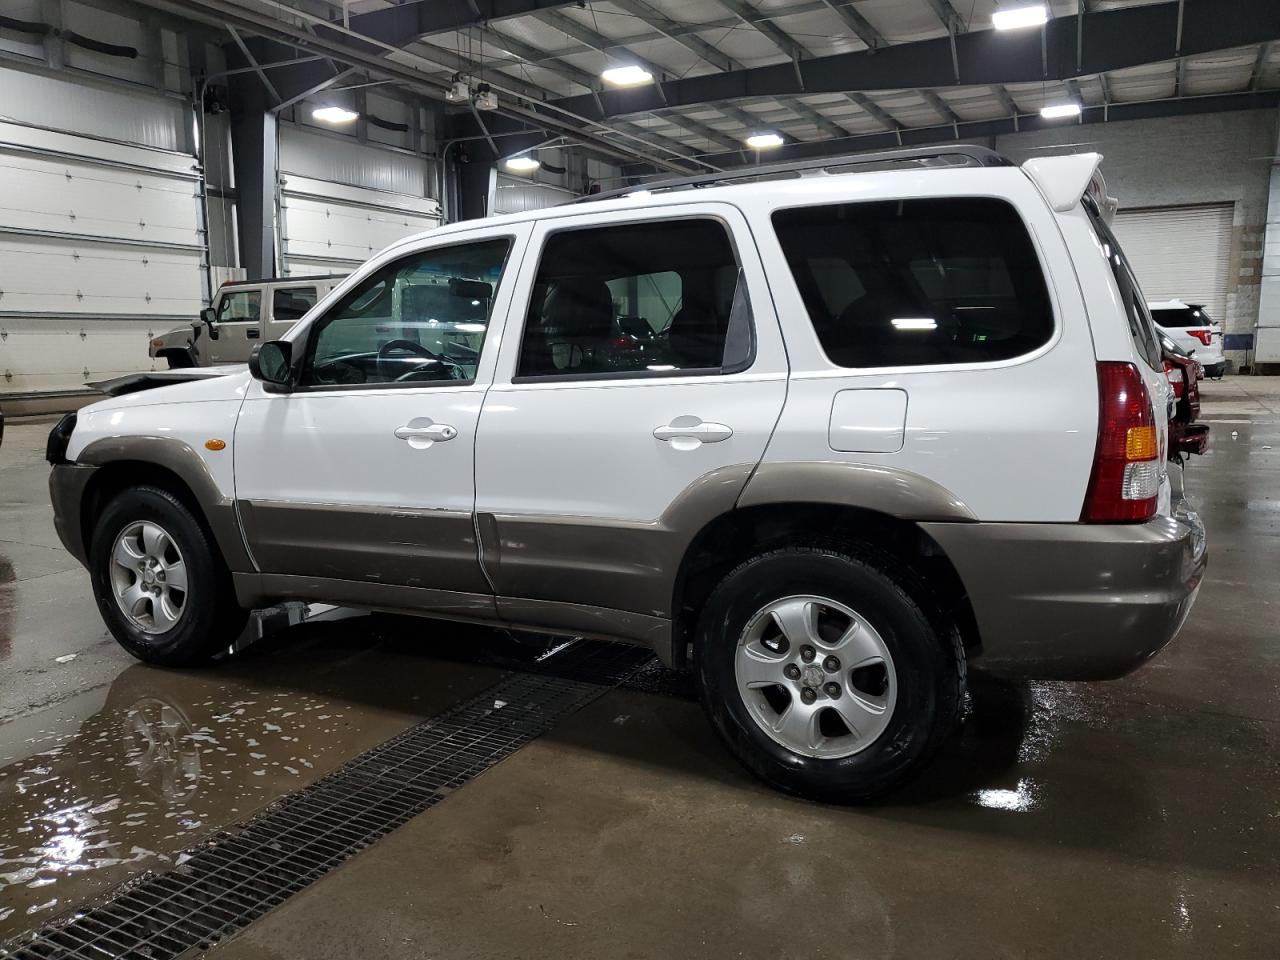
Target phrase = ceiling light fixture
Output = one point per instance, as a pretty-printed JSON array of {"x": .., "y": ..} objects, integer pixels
[
  {"x": 764, "y": 141},
  {"x": 1058, "y": 111},
  {"x": 522, "y": 164},
  {"x": 332, "y": 114},
  {"x": 914, "y": 323},
  {"x": 628, "y": 76},
  {"x": 1018, "y": 18}
]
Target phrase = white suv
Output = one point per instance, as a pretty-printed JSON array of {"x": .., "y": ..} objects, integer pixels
[
  {"x": 1190, "y": 327},
  {"x": 824, "y": 440}
]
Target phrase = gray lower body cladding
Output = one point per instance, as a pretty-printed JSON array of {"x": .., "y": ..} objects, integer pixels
[
  {"x": 67, "y": 482},
  {"x": 1052, "y": 601},
  {"x": 1075, "y": 601}
]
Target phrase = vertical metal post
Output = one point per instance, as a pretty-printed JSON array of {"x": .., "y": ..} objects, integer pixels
[{"x": 254, "y": 139}]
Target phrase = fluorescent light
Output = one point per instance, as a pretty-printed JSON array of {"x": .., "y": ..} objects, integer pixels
[
  {"x": 1059, "y": 110},
  {"x": 914, "y": 323},
  {"x": 628, "y": 76},
  {"x": 1016, "y": 18},
  {"x": 334, "y": 114},
  {"x": 764, "y": 141},
  {"x": 522, "y": 164}
]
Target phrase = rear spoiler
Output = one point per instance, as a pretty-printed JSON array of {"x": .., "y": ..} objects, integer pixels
[{"x": 1065, "y": 180}]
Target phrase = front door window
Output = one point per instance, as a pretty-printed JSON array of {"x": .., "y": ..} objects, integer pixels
[
  {"x": 418, "y": 319},
  {"x": 240, "y": 305}
]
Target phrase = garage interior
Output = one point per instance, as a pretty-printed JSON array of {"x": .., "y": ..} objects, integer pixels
[{"x": 572, "y": 800}]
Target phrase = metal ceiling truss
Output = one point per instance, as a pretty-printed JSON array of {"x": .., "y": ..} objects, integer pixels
[
  {"x": 978, "y": 130},
  {"x": 1091, "y": 42},
  {"x": 370, "y": 55},
  {"x": 680, "y": 33},
  {"x": 1104, "y": 41},
  {"x": 857, "y": 24}
]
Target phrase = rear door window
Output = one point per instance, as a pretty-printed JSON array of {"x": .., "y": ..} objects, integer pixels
[
  {"x": 917, "y": 282},
  {"x": 292, "y": 303},
  {"x": 653, "y": 298}
]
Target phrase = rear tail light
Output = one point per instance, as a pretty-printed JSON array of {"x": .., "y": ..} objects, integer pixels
[
  {"x": 1176, "y": 378},
  {"x": 1125, "y": 483},
  {"x": 1205, "y": 336}
]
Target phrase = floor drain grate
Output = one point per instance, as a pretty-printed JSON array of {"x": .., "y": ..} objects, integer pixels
[{"x": 236, "y": 878}]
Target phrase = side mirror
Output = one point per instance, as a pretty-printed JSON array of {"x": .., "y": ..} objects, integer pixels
[
  {"x": 207, "y": 317},
  {"x": 271, "y": 362},
  {"x": 470, "y": 289}
]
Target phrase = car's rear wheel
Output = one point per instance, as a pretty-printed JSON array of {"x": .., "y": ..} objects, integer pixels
[
  {"x": 825, "y": 672},
  {"x": 159, "y": 582}
]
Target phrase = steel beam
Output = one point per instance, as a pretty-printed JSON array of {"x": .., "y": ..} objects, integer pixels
[
  {"x": 873, "y": 108},
  {"x": 706, "y": 132},
  {"x": 858, "y": 25},
  {"x": 827, "y": 126},
  {"x": 776, "y": 35},
  {"x": 943, "y": 10},
  {"x": 529, "y": 52},
  {"x": 598, "y": 42},
  {"x": 679, "y": 33},
  {"x": 940, "y": 106},
  {"x": 1259, "y": 66}
]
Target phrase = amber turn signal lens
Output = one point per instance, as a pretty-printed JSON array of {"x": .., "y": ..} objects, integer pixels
[
  {"x": 1140, "y": 443},
  {"x": 215, "y": 444}
]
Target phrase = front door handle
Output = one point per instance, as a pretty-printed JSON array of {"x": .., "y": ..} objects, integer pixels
[
  {"x": 688, "y": 432},
  {"x": 253, "y": 333},
  {"x": 422, "y": 432}
]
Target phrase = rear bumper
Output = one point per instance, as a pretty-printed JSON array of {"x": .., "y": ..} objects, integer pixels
[{"x": 1076, "y": 601}]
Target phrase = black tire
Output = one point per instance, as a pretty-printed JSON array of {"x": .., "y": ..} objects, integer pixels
[
  {"x": 210, "y": 619},
  {"x": 927, "y": 655},
  {"x": 179, "y": 359}
]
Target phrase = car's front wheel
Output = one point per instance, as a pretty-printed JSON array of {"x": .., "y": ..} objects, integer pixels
[
  {"x": 159, "y": 582},
  {"x": 824, "y": 673}
]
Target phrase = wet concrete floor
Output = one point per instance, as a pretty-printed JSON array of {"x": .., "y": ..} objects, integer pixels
[{"x": 1139, "y": 818}]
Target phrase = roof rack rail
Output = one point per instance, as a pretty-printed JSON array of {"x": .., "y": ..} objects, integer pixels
[{"x": 971, "y": 156}]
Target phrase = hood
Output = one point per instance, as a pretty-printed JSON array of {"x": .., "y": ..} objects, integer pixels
[{"x": 194, "y": 386}]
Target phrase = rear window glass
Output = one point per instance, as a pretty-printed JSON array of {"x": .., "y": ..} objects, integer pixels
[
  {"x": 912, "y": 282},
  {"x": 1181, "y": 317},
  {"x": 292, "y": 303}
]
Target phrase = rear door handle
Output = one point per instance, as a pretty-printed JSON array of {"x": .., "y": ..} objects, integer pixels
[
  {"x": 690, "y": 431},
  {"x": 422, "y": 432}
]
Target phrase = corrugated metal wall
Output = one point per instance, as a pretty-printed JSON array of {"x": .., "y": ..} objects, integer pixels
[
  {"x": 514, "y": 194},
  {"x": 132, "y": 117},
  {"x": 339, "y": 160}
]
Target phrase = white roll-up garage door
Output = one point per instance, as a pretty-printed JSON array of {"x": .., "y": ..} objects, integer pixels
[
  {"x": 331, "y": 227},
  {"x": 1181, "y": 253},
  {"x": 101, "y": 247}
]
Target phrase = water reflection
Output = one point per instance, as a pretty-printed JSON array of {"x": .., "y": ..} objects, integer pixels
[{"x": 167, "y": 758}]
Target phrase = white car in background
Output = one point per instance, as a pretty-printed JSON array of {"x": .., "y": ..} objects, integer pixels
[{"x": 1191, "y": 328}]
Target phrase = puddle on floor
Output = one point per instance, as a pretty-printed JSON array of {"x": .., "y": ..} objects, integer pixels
[
  {"x": 120, "y": 780},
  {"x": 147, "y": 776}
]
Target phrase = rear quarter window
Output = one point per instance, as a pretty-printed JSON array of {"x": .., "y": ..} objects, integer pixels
[{"x": 917, "y": 282}]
